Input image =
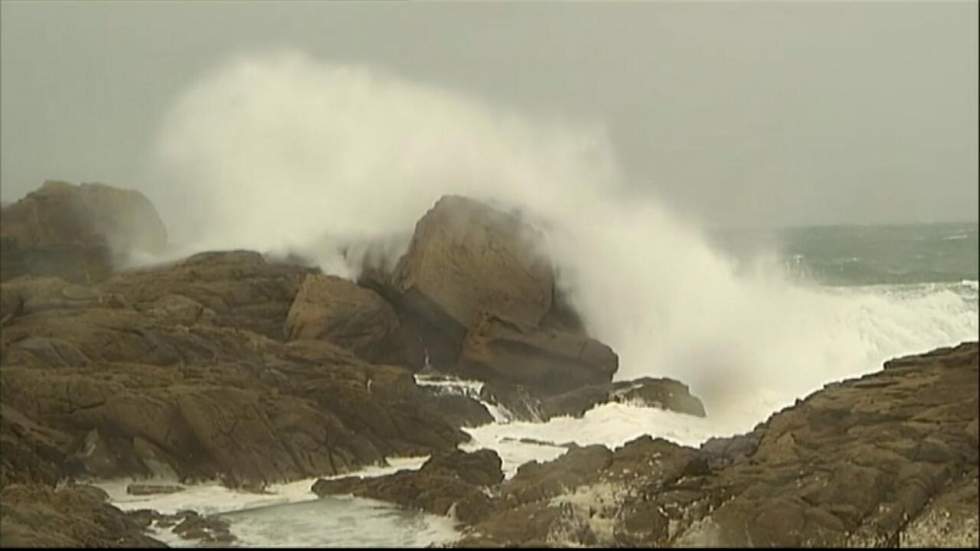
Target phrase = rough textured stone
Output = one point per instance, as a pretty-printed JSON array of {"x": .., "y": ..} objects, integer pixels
[
  {"x": 239, "y": 289},
  {"x": 137, "y": 391},
  {"x": 546, "y": 361},
  {"x": 76, "y": 232},
  {"x": 447, "y": 484},
  {"x": 466, "y": 258},
  {"x": 352, "y": 317},
  {"x": 886, "y": 459},
  {"x": 34, "y": 515}
]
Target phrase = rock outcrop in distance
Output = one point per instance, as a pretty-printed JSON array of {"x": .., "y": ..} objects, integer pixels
[
  {"x": 77, "y": 233},
  {"x": 888, "y": 459}
]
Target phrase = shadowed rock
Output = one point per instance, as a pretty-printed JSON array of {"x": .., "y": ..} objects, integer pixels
[
  {"x": 452, "y": 484},
  {"x": 352, "y": 317},
  {"x": 467, "y": 258},
  {"x": 545, "y": 360},
  {"x": 34, "y": 515}
]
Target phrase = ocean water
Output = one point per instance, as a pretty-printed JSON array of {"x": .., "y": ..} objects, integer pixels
[{"x": 858, "y": 296}]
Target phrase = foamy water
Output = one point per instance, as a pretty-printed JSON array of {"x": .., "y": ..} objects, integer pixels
[{"x": 291, "y": 515}]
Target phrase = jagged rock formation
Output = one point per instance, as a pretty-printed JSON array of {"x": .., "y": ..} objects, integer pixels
[
  {"x": 887, "y": 459},
  {"x": 230, "y": 364},
  {"x": 140, "y": 385}
]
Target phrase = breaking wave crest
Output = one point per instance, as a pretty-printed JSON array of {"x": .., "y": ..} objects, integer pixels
[{"x": 282, "y": 152}]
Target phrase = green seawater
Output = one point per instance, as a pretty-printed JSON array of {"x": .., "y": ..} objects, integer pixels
[{"x": 864, "y": 255}]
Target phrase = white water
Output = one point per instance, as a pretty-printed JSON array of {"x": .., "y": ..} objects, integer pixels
[
  {"x": 291, "y": 515},
  {"x": 282, "y": 152}
]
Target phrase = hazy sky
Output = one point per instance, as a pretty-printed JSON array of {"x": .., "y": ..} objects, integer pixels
[{"x": 738, "y": 113}]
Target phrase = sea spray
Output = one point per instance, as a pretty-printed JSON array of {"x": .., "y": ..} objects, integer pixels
[{"x": 282, "y": 152}]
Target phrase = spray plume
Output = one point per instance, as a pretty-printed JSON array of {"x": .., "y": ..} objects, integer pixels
[{"x": 282, "y": 152}]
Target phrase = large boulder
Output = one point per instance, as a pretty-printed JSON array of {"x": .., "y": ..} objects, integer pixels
[
  {"x": 477, "y": 291},
  {"x": 545, "y": 360},
  {"x": 77, "y": 232},
  {"x": 467, "y": 258},
  {"x": 350, "y": 316}
]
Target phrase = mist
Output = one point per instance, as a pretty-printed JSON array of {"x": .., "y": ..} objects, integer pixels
[
  {"x": 284, "y": 153},
  {"x": 735, "y": 114}
]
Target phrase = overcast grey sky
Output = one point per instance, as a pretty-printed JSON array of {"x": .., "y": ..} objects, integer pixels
[{"x": 741, "y": 114}]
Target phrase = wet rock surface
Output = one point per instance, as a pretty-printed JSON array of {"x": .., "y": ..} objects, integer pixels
[
  {"x": 545, "y": 360},
  {"x": 352, "y": 317},
  {"x": 524, "y": 404},
  {"x": 38, "y": 515},
  {"x": 453, "y": 483},
  {"x": 886, "y": 459}
]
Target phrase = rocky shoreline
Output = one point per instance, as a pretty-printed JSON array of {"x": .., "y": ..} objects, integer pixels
[
  {"x": 253, "y": 369},
  {"x": 888, "y": 459}
]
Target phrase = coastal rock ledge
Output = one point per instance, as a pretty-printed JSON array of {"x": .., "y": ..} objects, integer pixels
[{"x": 888, "y": 459}]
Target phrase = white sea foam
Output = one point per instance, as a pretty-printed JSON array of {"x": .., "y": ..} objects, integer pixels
[
  {"x": 291, "y": 515},
  {"x": 213, "y": 498},
  {"x": 611, "y": 424}
]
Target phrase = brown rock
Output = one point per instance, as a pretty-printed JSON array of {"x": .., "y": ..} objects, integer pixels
[
  {"x": 480, "y": 467},
  {"x": 31, "y": 452},
  {"x": 882, "y": 460},
  {"x": 466, "y": 258},
  {"x": 239, "y": 289},
  {"x": 154, "y": 386},
  {"x": 448, "y": 484},
  {"x": 74, "y": 516},
  {"x": 76, "y": 232},
  {"x": 547, "y": 361},
  {"x": 352, "y": 317}
]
